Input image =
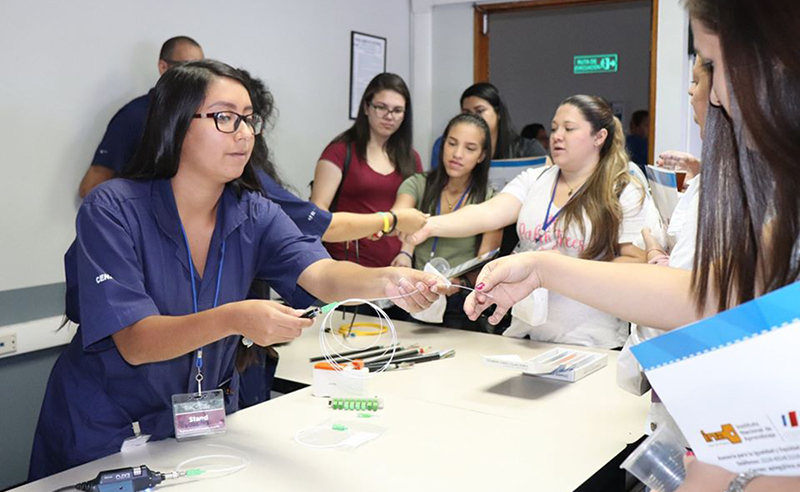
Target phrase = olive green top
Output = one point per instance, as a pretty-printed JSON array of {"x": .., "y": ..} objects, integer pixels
[{"x": 455, "y": 250}]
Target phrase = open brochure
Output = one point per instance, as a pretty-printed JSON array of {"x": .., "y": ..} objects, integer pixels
[
  {"x": 665, "y": 186},
  {"x": 731, "y": 383}
]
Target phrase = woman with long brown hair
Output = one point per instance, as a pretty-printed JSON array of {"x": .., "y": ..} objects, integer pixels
[
  {"x": 749, "y": 229},
  {"x": 586, "y": 206}
]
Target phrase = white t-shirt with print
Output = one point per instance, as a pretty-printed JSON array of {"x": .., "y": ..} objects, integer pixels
[{"x": 569, "y": 321}]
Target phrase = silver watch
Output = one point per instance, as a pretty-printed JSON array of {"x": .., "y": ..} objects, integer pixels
[{"x": 741, "y": 480}]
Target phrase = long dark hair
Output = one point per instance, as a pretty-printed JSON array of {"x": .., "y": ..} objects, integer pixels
[
  {"x": 176, "y": 98},
  {"x": 598, "y": 198},
  {"x": 748, "y": 238},
  {"x": 399, "y": 146},
  {"x": 263, "y": 105},
  {"x": 506, "y": 133},
  {"x": 437, "y": 178}
]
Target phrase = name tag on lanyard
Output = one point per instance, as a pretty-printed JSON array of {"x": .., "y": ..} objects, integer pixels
[
  {"x": 198, "y": 414},
  {"x": 201, "y": 413}
]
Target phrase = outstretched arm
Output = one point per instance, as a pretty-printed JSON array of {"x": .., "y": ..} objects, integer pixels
[
  {"x": 659, "y": 297},
  {"x": 496, "y": 213}
]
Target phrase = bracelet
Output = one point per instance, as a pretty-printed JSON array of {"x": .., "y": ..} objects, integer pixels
[
  {"x": 385, "y": 218},
  {"x": 410, "y": 256},
  {"x": 739, "y": 482},
  {"x": 394, "y": 223}
]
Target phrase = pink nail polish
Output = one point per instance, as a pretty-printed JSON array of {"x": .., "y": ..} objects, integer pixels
[
  {"x": 480, "y": 286},
  {"x": 689, "y": 452}
]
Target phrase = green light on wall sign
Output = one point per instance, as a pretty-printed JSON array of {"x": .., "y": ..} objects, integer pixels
[{"x": 595, "y": 64}]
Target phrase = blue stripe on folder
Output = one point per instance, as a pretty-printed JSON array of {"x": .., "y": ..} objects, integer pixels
[
  {"x": 532, "y": 162},
  {"x": 662, "y": 176},
  {"x": 753, "y": 318}
]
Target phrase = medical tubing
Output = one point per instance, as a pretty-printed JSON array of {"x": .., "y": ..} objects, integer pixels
[
  {"x": 336, "y": 359},
  {"x": 245, "y": 462}
]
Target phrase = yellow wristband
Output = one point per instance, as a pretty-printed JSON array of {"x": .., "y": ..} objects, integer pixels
[{"x": 387, "y": 226}]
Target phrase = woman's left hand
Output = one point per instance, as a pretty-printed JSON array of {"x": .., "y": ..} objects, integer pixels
[
  {"x": 701, "y": 477},
  {"x": 413, "y": 290},
  {"x": 503, "y": 282}
]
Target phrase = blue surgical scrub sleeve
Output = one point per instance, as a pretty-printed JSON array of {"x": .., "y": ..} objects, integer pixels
[
  {"x": 309, "y": 218},
  {"x": 284, "y": 256},
  {"x": 112, "y": 294}
]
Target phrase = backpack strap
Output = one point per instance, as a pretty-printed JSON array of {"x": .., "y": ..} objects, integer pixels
[{"x": 345, "y": 168}]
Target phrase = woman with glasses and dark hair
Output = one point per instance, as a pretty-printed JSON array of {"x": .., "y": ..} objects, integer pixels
[
  {"x": 362, "y": 168},
  {"x": 162, "y": 263}
]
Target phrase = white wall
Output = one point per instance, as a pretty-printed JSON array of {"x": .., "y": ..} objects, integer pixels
[
  {"x": 673, "y": 113},
  {"x": 531, "y": 57},
  {"x": 69, "y": 66},
  {"x": 453, "y": 41}
]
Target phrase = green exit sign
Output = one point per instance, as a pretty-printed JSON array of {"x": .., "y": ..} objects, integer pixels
[{"x": 595, "y": 64}]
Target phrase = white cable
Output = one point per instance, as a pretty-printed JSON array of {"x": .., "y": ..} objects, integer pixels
[
  {"x": 244, "y": 461},
  {"x": 330, "y": 352},
  {"x": 298, "y": 438}
]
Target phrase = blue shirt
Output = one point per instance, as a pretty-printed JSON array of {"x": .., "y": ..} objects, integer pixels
[
  {"x": 123, "y": 134},
  {"x": 637, "y": 147},
  {"x": 131, "y": 262},
  {"x": 309, "y": 218}
]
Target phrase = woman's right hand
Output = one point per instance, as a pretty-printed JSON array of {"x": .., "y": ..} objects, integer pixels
[
  {"x": 503, "y": 282},
  {"x": 410, "y": 220},
  {"x": 679, "y": 161},
  {"x": 268, "y": 322},
  {"x": 419, "y": 236}
]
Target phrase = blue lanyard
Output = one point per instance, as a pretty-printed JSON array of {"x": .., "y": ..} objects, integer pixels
[
  {"x": 199, "y": 362},
  {"x": 548, "y": 221},
  {"x": 439, "y": 211}
]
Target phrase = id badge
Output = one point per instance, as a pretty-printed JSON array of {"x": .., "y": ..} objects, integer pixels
[{"x": 198, "y": 414}]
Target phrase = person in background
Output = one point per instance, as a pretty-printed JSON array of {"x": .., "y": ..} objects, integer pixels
[
  {"x": 483, "y": 99},
  {"x": 699, "y": 90},
  {"x": 585, "y": 206},
  {"x": 161, "y": 265},
  {"x": 125, "y": 129},
  {"x": 378, "y": 148},
  {"x": 637, "y": 140},
  {"x": 536, "y": 131},
  {"x": 255, "y": 364},
  {"x": 460, "y": 179},
  {"x": 748, "y": 240}
]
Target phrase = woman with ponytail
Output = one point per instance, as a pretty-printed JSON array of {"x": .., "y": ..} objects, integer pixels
[{"x": 586, "y": 206}]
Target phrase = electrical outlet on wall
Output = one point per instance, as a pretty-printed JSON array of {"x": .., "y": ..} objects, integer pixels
[{"x": 8, "y": 343}]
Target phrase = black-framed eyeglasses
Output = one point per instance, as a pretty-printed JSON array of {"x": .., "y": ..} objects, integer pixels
[
  {"x": 228, "y": 121},
  {"x": 382, "y": 111}
]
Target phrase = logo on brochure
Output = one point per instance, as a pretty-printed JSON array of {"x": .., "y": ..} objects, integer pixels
[
  {"x": 788, "y": 426},
  {"x": 728, "y": 433}
]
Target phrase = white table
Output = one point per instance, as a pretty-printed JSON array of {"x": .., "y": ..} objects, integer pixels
[{"x": 452, "y": 425}]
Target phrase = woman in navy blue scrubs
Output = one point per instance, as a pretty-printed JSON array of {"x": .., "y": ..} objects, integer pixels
[{"x": 160, "y": 267}]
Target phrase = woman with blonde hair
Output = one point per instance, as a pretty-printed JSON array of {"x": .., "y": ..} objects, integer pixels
[{"x": 586, "y": 206}]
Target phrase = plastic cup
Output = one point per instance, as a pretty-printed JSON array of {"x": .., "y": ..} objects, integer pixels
[
  {"x": 439, "y": 264},
  {"x": 658, "y": 461}
]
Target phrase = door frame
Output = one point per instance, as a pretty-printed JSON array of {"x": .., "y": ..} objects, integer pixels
[{"x": 481, "y": 44}]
